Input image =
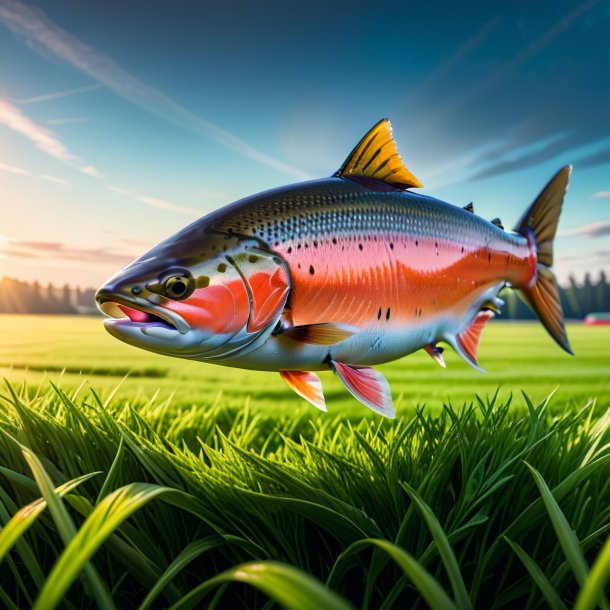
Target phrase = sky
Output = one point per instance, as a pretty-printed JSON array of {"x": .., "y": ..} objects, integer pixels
[{"x": 121, "y": 122}]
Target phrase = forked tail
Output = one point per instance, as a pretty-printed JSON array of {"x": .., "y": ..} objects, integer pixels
[{"x": 540, "y": 222}]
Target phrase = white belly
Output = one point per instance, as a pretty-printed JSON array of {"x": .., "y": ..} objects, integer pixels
[{"x": 366, "y": 348}]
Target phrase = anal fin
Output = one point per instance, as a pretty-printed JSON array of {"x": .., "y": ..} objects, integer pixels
[
  {"x": 467, "y": 342},
  {"x": 319, "y": 334},
  {"x": 307, "y": 385},
  {"x": 436, "y": 353},
  {"x": 368, "y": 386}
]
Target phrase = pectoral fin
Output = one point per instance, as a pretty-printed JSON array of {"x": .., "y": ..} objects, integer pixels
[
  {"x": 319, "y": 334},
  {"x": 368, "y": 386},
  {"x": 307, "y": 385}
]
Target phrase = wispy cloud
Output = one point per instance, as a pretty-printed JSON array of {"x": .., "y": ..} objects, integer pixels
[
  {"x": 67, "y": 120},
  {"x": 437, "y": 75},
  {"x": 601, "y": 157},
  {"x": 601, "y": 195},
  {"x": 13, "y": 169},
  {"x": 590, "y": 231},
  {"x": 529, "y": 51},
  {"x": 33, "y": 25},
  {"x": 53, "y": 179},
  {"x": 20, "y": 171},
  {"x": 469, "y": 110},
  {"x": 59, "y": 94},
  {"x": 17, "y": 248},
  {"x": 89, "y": 170},
  {"x": 44, "y": 139},
  {"x": 153, "y": 201}
]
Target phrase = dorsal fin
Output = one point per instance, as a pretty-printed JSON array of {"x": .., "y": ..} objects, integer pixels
[
  {"x": 376, "y": 157},
  {"x": 469, "y": 207},
  {"x": 497, "y": 222}
]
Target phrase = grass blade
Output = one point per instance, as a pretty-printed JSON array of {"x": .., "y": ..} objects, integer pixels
[
  {"x": 26, "y": 516},
  {"x": 101, "y": 523},
  {"x": 424, "y": 582},
  {"x": 593, "y": 589},
  {"x": 190, "y": 553},
  {"x": 444, "y": 548},
  {"x": 546, "y": 588},
  {"x": 288, "y": 586},
  {"x": 566, "y": 536},
  {"x": 65, "y": 527}
]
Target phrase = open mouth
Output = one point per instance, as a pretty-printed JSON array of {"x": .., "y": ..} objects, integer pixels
[
  {"x": 140, "y": 314},
  {"x": 141, "y": 317}
]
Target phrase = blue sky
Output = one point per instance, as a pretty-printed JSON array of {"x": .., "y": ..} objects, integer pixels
[{"x": 121, "y": 122}]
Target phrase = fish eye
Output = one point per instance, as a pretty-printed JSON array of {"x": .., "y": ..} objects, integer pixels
[{"x": 179, "y": 287}]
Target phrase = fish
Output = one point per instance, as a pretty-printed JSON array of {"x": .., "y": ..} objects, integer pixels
[{"x": 341, "y": 274}]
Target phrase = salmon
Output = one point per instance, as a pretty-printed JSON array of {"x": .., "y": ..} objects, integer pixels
[{"x": 341, "y": 273}]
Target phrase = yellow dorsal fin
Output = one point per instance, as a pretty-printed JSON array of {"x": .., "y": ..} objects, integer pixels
[{"x": 376, "y": 157}]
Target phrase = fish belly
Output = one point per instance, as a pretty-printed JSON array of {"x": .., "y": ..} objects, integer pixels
[{"x": 370, "y": 346}]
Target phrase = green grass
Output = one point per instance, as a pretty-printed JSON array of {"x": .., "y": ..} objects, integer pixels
[
  {"x": 486, "y": 506},
  {"x": 516, "y": 356},
  {"x": 237, "y": 494}
]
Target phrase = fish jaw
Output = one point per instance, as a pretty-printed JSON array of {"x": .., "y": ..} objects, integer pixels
[{"x": 143, "y": 324}]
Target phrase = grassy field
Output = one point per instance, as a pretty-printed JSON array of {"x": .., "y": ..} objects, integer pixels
[
  {"x": 236, "y": 494},
  {"x": 516, "y": 355}
]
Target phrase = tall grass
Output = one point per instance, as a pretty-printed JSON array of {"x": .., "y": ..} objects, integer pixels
[{"x": 117, "y": 504}]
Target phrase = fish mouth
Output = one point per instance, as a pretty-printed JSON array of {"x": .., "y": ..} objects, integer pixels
[{"x": 139, "y": 313}]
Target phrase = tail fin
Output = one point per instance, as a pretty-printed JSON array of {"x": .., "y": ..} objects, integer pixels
[{"x": 540, "y": 220}]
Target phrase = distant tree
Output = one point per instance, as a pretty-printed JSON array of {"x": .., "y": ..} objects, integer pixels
[
  {"x": 588, "y": 294},
  {"x": 602, "y": 293},
  {"x": 572, "y": 292},
  {"x": 66, "y": 300},
  {"x": 36, "y": 302},
  {"x": 52, "y": 303}
]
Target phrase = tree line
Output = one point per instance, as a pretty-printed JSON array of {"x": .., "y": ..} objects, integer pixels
[
  {"x": 578, "y": 299},
  {"x": 23, "y": 297}
]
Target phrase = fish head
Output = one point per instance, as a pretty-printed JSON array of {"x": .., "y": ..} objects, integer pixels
[{"x": 198, "y": 295}]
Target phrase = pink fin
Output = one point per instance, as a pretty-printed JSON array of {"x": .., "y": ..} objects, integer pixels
[
  {"x": 436, "y": 353},
  {"x": 320, "y": 334},
  {"x": 307, "y": 385},
  {"x": 469, "y": 338},
  {"x": 368, "y": 386}
]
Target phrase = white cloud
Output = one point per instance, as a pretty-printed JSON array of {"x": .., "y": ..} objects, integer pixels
[
  {"x": 13, "y": 169},
  {"x": 59, "y": 94},
  {"x": 32, "y": 24},
  {"x": 53, "y": 179},
  {"x": 153, "y": 201},
  {"x": 91, "y": 171},
  {"x": 590, "y": 231},
  {"x": 20, "y": 171},
  {"x": 601, "y": 195},
  {"x": 44, "y": 139},
  {"x": 67, "y": 121}
]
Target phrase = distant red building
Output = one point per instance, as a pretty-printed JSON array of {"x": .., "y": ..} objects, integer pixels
[{"x": 598, "y": 319}]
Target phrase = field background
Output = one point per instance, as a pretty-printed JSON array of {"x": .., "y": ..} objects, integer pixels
[
  {"x": 259, "y": 487},
  {"x": 517, "y": 356}
]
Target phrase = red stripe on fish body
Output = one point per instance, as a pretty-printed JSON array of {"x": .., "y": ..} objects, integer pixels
[{"x": 368, "y": 258}]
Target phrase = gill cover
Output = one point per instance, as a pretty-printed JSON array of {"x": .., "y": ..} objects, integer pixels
[{"x": 242, "y": 302}]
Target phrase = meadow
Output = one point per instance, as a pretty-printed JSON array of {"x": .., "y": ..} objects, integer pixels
[
  {"x": 184, "y": 485},
  {"x": 516, "y": 355}
]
